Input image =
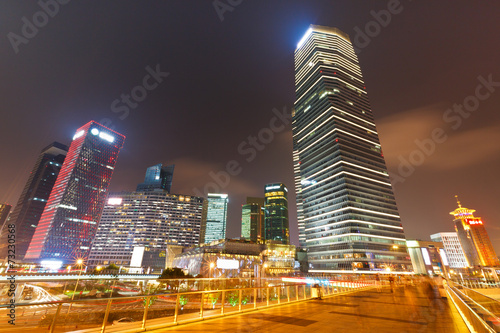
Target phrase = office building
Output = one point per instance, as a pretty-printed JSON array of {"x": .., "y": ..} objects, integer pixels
[
  {"x": 428, "y": 257},
  {"x": 473, "y": 237},
  {"x": 452, "y": 247},
  {"x": 136, "y": 229},
  {"x": 4, "y": 212},
  {"x": 215, "y": 226},
  {"x": 33, "y": 199},
  {"x": 347, "y": 212},
  {"x": 158, "y": 177},
  {"x": 69, "y": 221},
  {"x": 276, "y": 227},
  {"x": 4, "y": 230},
  {"x": 252, "y": 219}
]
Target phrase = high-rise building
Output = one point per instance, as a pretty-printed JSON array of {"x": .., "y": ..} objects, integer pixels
[
  {"x": 137, "y": 227},
  {"x": 427, "y": 257},
  {"x": 33, "y": 199},
  {"x": 452, "y": 247},
  {"x": 215, "y": 226},
  {"x": 347, "y": 212},
  {"x": 473, "y": 237},
  {"x": 158, "y": 177},
  {"x": 276, "y": 227},
  {"x": 4, "y": 212},
  {"x": 69, "y": 221},
  {"x": 252, "y": 219}
]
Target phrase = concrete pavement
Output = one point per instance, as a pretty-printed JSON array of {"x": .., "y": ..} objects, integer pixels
[{"x": 408, "y": 309}]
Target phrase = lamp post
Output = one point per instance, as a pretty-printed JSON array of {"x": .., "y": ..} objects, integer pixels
[
  {"x": 212, "y": 265},
  {"x": 78, "y": 262}
]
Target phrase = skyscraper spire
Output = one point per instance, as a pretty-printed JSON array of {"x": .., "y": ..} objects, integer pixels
[{"x": 458, "y": 202}]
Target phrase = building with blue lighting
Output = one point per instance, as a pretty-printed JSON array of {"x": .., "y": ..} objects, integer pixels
[{"x": 158, "y": 177}]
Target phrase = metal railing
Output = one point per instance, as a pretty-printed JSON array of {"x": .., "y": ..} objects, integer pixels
[
  {"x": 139, "y": 313},
  {"x": 480, "y": 313},
  {"x": 474, "y": 284}
]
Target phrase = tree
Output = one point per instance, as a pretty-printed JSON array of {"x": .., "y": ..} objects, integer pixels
[{"x": 174, "y": 273}]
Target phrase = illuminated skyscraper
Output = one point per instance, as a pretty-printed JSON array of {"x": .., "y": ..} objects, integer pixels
[
  {"x": 4, "y": 212},
  {"x": 140, "y": 225},
  {"x": 347, "y": 212},
  {"x": 69, "y": 222},
  {"x": 276, "y": 227},
  {"x": 475, "y": 242},
  {"x": 35, "y": 194},
  {"x": 215, "y": 226},
  {"x": 158, "y": 177},
  {"x": 252, "y": 219},
  {"x": 4, "y": 230}
]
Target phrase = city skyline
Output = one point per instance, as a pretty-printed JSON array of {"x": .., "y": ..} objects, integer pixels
[{"x": 411, "y": 91}]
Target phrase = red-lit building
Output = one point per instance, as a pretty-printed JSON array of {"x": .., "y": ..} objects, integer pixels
[
  {"x": 70, "y": 218},
  {"x": 474, "y": 239}
]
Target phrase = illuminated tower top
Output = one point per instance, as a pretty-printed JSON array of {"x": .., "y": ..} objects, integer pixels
[{"x": 462, "y": 212}]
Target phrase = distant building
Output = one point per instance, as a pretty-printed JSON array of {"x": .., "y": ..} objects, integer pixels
[
  {"x": 33, "y": 199},
  {"x": 452, "y": 247},
  {"x": 136, "y": 229},
  {"x": 4, "y": 212},
  {"x": 474, "y": 239},
  {"x": 69, "y": 221},
  {"x": 158, "y": 177},
  {"x": 224, "y": 258},
  {"x": 215, "y": 227},
  {"x": 427, "y": 257},
  {"x": 279, "y": 258},
  {"x": 252, "y": 219},
  {"x": 276, "y": 227},
  {"x": 4, "y": 230}
]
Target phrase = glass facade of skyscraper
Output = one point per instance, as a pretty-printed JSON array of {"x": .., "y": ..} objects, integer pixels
[
  {"x": 347, "y": 212},
  {"x": 158, "y": 177},
  {"x": 35, "y": 194},
  {"x": 151, "y": 220},
  {"x": 69, "y": 222},
  {"x": 252, "y": 219},
  {"x": 276, "y": 225},
  {"x": 215, "y": 227}
]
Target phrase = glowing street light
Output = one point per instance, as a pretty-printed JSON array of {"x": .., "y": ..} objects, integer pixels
[{"x": 78, "y": 262}]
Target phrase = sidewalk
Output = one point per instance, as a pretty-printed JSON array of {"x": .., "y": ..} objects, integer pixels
[{"x": 408, "y": 309}]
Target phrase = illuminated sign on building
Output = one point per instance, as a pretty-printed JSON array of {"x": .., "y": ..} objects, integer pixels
[
  {"x": 114, "y": 201},
  {"x": 427, "y": 258},
  {"x": 472, "y": 222},
  {"x": 228, "y": 264},
  {"x": 444, "y": 259}
]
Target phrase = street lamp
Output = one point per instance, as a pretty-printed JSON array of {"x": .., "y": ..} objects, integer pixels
[
  {"x": 212, "y": 265},
  {"x": 80, "y": 263}
]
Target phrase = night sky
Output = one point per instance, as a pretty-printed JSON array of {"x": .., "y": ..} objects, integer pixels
[{"x": 225, "y": 78}]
